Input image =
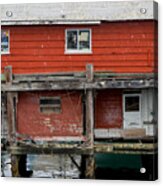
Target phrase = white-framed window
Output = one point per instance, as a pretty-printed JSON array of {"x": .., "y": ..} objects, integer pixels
[
  {"x": 132, "y": 110},
  {"x": 5, "y": 41},
  {"x": 78, "y": 41},
  {"x": 132, "y": 103}
]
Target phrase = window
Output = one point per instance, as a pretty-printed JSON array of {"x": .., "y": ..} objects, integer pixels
[
  {"x": 50, "y": 105},
  {"x": 78, "y": 41},
  {"x": 132, "y": 104},
  {"x": 4, "y": 41}
]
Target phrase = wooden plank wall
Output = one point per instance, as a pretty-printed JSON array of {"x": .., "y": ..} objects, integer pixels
[
  {"x": 116, "y": 47},
  {"x": 32, "y": 122},
  {"x": 108, "y": 109}
]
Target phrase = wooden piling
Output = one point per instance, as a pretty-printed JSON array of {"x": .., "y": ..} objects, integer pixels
[
  {"x": 89, "y": 108},
  {"x": 11, "y": 115},
  {"x": 15, "y": 159},
  {"x": 89, "y": 159}
]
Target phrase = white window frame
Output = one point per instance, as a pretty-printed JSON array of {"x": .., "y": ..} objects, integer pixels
[
  {"x": 8, "y": 52},
  {"x": 124, "y": 107},
  {"x": 132, "y": 95},
  {"x": 78, "y": 51}
]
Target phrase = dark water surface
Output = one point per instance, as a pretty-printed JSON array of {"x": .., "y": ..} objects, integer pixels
[{"x": 61, "y": 166}]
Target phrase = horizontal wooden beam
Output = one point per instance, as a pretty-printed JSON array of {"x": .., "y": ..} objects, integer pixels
[
  {"x": 135, "y": 133},
  {"x": 30, "y": 149},
  {"x": 79, "y": 84},
  {"x": 74, "y": 75},
  {"x": 63, "y": 148},
  {"x": 133, "y": 147}
]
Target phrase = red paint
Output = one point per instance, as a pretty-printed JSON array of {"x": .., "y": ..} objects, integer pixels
[
  {"x": 116, "y": 47},
  {"x": 32, "y": 122},
  {"x": 108, "y": 109}
]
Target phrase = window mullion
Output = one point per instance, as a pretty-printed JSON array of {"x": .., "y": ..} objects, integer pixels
[{"x": 78, "y": 39}]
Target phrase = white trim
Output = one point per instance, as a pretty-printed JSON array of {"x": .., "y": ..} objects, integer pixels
[
  {"x": 8, "y": 52},
  {"x": 50, "y": 22},
  {"x": 131, "y": 95},
  {"x": 78, "y": 11},
  {"x": 60, "y": 138},
  {"x": 78, "y": 51}
]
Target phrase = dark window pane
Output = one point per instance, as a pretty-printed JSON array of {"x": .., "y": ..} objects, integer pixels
[
  {"x": 132, "y": 104},
  {"x": 49, "y": 110},
  {"x": 4, "y": 41},
  {"x": 71, "y": 39},
  {"x": 50, "y": 101},
  {"x": 50, "y": 105},
  {"x": 84, "y": 39}
]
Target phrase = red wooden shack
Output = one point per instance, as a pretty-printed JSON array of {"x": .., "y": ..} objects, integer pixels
[{"x": 45, "y": 50}]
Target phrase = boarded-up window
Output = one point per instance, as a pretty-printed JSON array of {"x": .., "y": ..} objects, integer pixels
[
  {"x": 4, "y": 41},
  {"x": 50, "y": 104},
  {"x": 78, "y": 40}
]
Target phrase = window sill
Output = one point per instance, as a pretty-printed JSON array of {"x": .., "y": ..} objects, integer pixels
[
  {"x": 78, "y": 52},
  {"x": 5, "y": 53}
]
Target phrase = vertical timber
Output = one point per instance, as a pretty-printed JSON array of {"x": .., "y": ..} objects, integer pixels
[
  {"x": 89, "y": 159},
  {"x": 11, "y": 114}
]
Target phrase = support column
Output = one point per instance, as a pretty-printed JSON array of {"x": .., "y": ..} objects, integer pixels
[
  {"x": 15, "y": 159},
  {"x": 11, "y": 116},
  {"x": 89, "y": 159},
  {"x": 18, "y": 166},
  {"x": 89, "y": 108}
]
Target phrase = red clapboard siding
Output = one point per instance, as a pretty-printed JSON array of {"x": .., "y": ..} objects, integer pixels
[
  {"x": 34, "y": 123},
  {"x": 108, "y": 109},
  {"x": 117, "y": 47}
]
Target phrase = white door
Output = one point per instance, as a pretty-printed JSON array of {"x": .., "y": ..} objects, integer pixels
[{"x": 132, "y": 110}]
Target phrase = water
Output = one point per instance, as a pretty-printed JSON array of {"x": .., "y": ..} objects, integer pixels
[
  {"x": 61, "y": 166},
  {"x": 45, "y": 166},
  {"x": 5, "y": 165}
]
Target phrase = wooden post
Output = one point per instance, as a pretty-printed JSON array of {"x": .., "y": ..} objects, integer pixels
[
  {"x": 89, "y": 108},
  {"x": 89, "y": 159},
  {"x": 18, "y": 166},
  {"x": 8, "y": 74},
  {"x": 15, "y": 165},
  {"x": 89, "y": 118},
  {"x": 87, "y": 167},
  {"x": 11, "y": 115}
]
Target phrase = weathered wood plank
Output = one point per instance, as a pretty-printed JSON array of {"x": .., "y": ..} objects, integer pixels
[
  {"x": 110, "y": 147},
  {"x": 116, "y": 148},
  {"x": 90, "y": 167},
  {"x": 80, "y": 85},
  {"x": 120, "y": 133},
  {"x": 89, "y": 108},
  {"x": 8, "y": 74},
  {"x": 11, "y": 116},
  {"x": 29, "y": 149},
  {"x": 15, "y": 165}
]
